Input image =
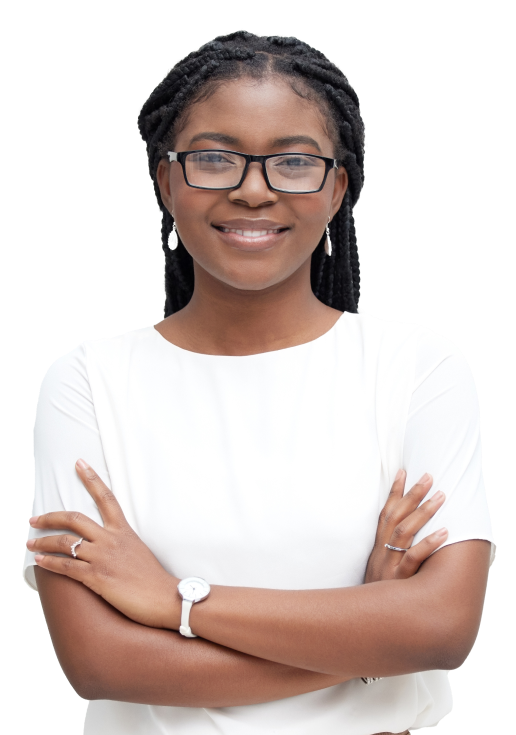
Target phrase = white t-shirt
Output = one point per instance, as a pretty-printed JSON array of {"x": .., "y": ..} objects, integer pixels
[{"x": 267, "y": 470}]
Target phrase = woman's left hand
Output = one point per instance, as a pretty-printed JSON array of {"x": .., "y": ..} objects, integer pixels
[
  {"x": 111, "y": 560},
  {"x": 401, "y": 518}
]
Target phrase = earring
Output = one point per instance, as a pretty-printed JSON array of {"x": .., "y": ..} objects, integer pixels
[
  {"x": 327, "y": 242},
  {"x": 172, "y": 238}
]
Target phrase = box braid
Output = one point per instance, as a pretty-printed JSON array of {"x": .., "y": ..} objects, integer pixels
[{"x": 335, "y": 279}]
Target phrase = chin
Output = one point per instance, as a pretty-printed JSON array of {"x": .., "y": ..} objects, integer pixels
[
  {"x": 249, "y": 277},
  {"x": 251, "y": 284},
  {"x": 255, "y": 281}
]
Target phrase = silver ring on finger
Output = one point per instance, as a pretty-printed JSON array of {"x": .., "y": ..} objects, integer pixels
[
  {"x": 387, "y": 546},
  {"x": 74, "y": 546}
]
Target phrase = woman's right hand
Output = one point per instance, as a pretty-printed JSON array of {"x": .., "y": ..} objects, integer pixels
[{"x": 401, "y": 518}]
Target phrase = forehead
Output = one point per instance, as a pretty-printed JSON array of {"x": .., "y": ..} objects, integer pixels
[{"x": 256, "y": 114}]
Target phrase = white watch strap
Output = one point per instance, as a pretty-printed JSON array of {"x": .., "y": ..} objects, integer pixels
[{"x": 184, "y": 628}]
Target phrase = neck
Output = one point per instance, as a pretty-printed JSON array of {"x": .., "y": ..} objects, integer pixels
[{"x": 223, "y": 320}]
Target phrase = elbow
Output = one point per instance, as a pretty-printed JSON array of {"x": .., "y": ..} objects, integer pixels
[
  {"x": 85, "y": 679},
  {"x": 453, "y": 656},
  {"x": 447, "y": 658},
  {"x": 89, "y": 689},
  {"x": 452, "y": 645}
]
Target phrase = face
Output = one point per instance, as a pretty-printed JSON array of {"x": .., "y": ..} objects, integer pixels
[{"x": 256, "y": 117}]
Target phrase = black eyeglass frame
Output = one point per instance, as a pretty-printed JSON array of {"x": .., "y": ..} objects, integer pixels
[{"x": 180, "y": 157}]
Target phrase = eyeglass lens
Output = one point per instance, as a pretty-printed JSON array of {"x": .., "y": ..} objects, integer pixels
[{"x": 223, "y": 170}]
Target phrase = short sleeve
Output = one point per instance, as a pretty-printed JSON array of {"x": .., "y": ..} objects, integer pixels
[
  {"x": 66, "y": 429},
  {"x": 442, "y": 437}
]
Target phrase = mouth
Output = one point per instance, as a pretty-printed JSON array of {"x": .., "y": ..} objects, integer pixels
[
  {"x": 252, "y": 237},
  {"x": 251, "y": 233}
]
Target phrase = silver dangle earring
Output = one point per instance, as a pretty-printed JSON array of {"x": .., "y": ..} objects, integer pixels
[
  {"x": 327, "y": 242},
  {"x": 172, "y": 238}
]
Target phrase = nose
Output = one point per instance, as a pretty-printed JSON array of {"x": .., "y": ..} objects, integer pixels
[{"x": 253, "y": 191}]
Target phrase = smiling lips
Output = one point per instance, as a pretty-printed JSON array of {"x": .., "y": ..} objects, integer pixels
[{"x": 251, "y": 235}]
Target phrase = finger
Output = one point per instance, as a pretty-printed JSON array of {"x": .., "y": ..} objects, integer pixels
[
  {"x": 68, "y": 520},
  {"x": 60, "y": 545},
  {"x": 407, "y": 504},
  {"x": 396, "y": 491},
  {"x": 404, "y": 533},
  {"x": 66, "y": 566},
  {"x": 394, "y": 497},
  {"x": 414, "y": 557},
  {"x": 106, "y": 502}
]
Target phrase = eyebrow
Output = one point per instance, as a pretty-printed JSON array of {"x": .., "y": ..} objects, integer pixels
[
  {"x": 218, "y": 137},
  {"x": 276, "y": 143},
  {"x": 296, "y": 139}
]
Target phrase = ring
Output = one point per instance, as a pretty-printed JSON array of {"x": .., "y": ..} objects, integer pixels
[
  {"x": 387, "y": 546},
  {"x": 74, "y": 546}
]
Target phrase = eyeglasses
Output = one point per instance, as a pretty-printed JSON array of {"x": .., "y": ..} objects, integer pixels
[{"x": 291, "y": 173}]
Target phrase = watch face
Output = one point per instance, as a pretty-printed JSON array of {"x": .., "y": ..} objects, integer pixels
[{"x": 193, "y": 589}]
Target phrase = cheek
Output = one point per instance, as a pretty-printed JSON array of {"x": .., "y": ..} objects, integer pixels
[
  {"x": 189, "y": 204},
  {"x": 311, "y": 213},
  {"x": 192, "y": 209}
]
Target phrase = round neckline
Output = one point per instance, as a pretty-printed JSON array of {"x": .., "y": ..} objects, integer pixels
[{"x": 282, "y": 350}]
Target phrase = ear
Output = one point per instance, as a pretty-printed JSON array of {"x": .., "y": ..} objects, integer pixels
[
  {"x": 339, "y": 189},
  {"x": 163, "y": 179}
]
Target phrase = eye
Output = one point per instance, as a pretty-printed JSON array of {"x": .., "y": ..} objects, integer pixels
[
  {"x": 213, "y": 158},
  {"x": 295, "y": 162}
]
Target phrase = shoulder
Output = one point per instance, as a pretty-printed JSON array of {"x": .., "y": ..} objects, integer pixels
[
  {"x": 77, "y": 361},
  {"x": 69, "y": 375},
  {"x": 425, "y": 342},
  {"x": 66, "y": 374},
  {"x": 383, "y": 332},
  {"x": 437, "y": 357},
  {"x": 121, "y": 346},
  {"x": 373, "y": 324},
  {"x": 394, "y": 345}
]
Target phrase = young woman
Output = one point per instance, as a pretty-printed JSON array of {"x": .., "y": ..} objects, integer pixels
[{"x": 252, "y": 439}]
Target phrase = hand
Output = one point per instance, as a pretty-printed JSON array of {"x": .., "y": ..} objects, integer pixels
[
  {"x": 401, "y": 518},
  {"x": 111, "y": 560}
]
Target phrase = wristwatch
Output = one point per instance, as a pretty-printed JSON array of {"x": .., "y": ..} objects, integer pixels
[{"x": 191, "y": 589}]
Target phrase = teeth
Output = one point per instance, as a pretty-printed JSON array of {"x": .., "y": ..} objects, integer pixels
[{"x": 251, "y": 233}]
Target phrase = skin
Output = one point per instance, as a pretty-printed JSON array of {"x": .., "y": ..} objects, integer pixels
[
  {"x": 417, "y": 610},
  {"x": 250, "y": 302}
]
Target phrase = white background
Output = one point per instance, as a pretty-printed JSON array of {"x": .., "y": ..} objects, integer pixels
[{"x": 366, "y": 13}]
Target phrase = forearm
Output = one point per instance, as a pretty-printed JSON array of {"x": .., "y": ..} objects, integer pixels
[
  {"x": 161, "y": 667},
  {"x": 107, "y": 656},
  {"x": 380, "y": 629}
]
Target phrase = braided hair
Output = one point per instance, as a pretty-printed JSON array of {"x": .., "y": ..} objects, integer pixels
[{"x": 335, "y": 279}]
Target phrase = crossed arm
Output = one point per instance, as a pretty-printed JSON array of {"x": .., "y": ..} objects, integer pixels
[
  {"x": 105, "y": 655},
  {"x": 257, "y": 645}
]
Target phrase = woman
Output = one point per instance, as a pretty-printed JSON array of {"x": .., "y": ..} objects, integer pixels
[{"x": 253, "y": 437}]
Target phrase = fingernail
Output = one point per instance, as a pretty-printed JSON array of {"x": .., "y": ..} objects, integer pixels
[
  {"x": 438, "y": 496},
  {"x": 38, "y": 558},
  {"x": 82, "y": 464},
  {"x": 399, "y": 475},
  {"x": 33, "y": 520},
  {"x": 424, "y": 479},
  {"x": 30, "y": 543},
  {"x": 441, "y": 533}
]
